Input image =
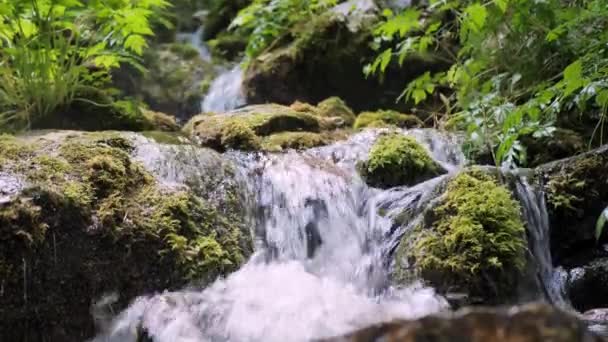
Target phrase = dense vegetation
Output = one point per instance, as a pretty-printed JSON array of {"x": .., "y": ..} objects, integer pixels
[{"x": 517, "y": 66}]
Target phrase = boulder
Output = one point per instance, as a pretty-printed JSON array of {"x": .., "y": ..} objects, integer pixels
[
  {"x": 576, "y": 191},
  {"x": 587, "y": 285},
  {"x": 326, "y": 55},
  {"x": 387, "y": 118},
  {"x": 270, "y": 127},
  {"x": 470, "y": 241},
  {"x": 90, "y": 214},
  {"x": 530, "y": 323},
  {"x": 396, "y": 160}
]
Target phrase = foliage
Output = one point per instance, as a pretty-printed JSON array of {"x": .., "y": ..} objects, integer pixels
[
  {"x": 601, "y": 223},
  {"x": 476, "y": 239},
  {"x": 53, "y": 48},
  {"x": 396, "y": 160},
  {"x": 385, "y": 118},
  {"x": 520, "y": 64},
  {"x": 265, "y": 21}
]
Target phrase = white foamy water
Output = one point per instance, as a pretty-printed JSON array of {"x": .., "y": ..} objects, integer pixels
[
  {"x": 323, "y": 251},
  {"x": 226, "y": 92}
]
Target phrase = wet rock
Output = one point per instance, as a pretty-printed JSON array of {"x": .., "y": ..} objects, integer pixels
[
  {"x": 249, "y": 124},
  {"x": 577, "y": 192},
  {"x": 597, "y": 319},
  {"x": 587, "y": 285},
  {"x": 92, "y": 218},
  {"x": 530, "y": 323},
  {"x": 471, "y": 241}
]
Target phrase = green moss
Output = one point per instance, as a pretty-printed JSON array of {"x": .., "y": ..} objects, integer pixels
[
  {"x": 263, "y": 120},
  {"x": 184, "y": 50},
  {"x": 93, "y": 182},
  {"x": 293, "y": 140},
  {"x": 335, "y": 107},
  {"x": 386, "y": 118},
  {"x": 13, "y": 149},
  {"x": 396, "y": 160},
  {"x": 474, "y": 240},
  {"x": 228, "y": 45},
  {"x": 578, "y": 187},
  {"x": 239, "y": 136}
]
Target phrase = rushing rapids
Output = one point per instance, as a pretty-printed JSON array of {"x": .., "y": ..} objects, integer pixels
[{"x": 322, "y": 260}]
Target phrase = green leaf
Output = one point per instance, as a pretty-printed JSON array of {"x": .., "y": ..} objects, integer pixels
[
  {"x": 601, "y": 99},
  {"x": 476, "y": 15},
  {"x": 502, "y": 5},
  {"x": 136, "y": 43}
]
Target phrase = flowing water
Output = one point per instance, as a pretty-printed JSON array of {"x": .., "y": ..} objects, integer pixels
[
  {"x": 226, "y": 91},
  {"x": 322, "y": 254},
  {"x": 196, "y": 39}
]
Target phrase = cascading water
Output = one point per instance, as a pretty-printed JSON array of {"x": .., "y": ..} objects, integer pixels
[
  {"x": 196, "y": 39},
  {"x": 552, "y": 280},
  {"x": 226, "y": 91},
  {"x": 322, "y": 257}
]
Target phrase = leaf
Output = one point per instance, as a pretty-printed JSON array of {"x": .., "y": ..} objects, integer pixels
[
  {"x": 136, "y": 43},
  {"x": 573, "y": 78},
  {"x": 502, "y": 5},
  {"x": 601, "y": 99},
  {"x": 476, "y": 15}
]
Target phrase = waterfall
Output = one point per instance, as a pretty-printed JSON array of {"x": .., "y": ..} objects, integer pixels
[
  {"x": 323, "y": 248},
  {"x": 552, "y": 280},
  {"x": 226, "y": 91}
]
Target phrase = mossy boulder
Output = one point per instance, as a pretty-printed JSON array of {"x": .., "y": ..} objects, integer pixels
[
  {"x": 262, "y": 120},
  {"x": 473, "y": 241},
  {"x": 576, "y": 190},
  {"x": 387, "y": 118},
  {"x": 294, "y": 140},
  {"x": 88, "y": 220},
  {"x": 335, "y": 107},
  {"x": 396, "y": 160},
  {"x": 334, "y": 47}
]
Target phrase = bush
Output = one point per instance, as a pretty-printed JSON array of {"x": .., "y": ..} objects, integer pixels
[{"x": 51, "y": 51}]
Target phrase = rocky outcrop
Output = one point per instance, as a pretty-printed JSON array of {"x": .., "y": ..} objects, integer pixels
[
  {"x": 396, "y": 160},
  {"x": 577, "y": 192},
  {"x": 531, "y": 323},
  {"x": 270, "y": 127},
  {"x": 334, "y": 47},
  {"x": 470, "y": 242},
  {"x": 92, "y": 214}
]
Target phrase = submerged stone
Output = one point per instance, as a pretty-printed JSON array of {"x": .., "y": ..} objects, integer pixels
[{"x": 530, "y": 323}]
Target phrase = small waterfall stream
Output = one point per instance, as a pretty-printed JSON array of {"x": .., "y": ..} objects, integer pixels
[
  {"x": 322, "y": 256},
  {"x": 226, "y": 91}
]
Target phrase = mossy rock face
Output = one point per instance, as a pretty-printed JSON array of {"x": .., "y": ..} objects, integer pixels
[
  {"x": 335, "y": 107},
  {"x": 94, "y": 110},
  {"x": 396, "y": 160},
  {"x": 212, "y": 130},
  {"x": 386, "y": 118},
  {"x": 472, "y": 242},
  {"x": 577, "y": 192},
  {"x": 90, "y": 220},
  {"x": 334, "y": 50},
  {"x": 293, "y": 140}
]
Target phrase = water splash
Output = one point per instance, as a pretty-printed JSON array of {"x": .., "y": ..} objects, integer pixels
[{"x": 226, "y": 92}]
